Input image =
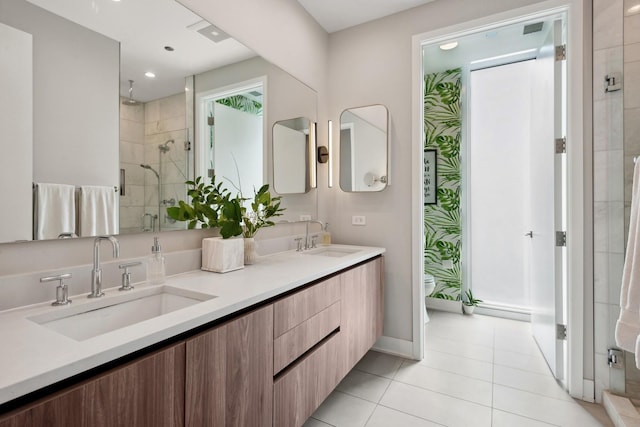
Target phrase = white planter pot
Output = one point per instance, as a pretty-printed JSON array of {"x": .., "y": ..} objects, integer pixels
[
  {"x": 250, "y": 253},
  {"x": 467, "y": 309},
  {"x": 222, "y": 255}
]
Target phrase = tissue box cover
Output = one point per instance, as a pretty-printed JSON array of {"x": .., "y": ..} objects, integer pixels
[{"x": 222, "y": 255}]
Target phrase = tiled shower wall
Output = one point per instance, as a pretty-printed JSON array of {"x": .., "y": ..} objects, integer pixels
[
  {"x": 131, "y": 156},
  {"x": 631, "y": 137},
  {"x": 608, "y": 187}
]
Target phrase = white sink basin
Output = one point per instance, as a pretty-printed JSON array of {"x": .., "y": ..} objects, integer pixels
[
  {"x": 332, "y": 251},
  {"x": 109, "y": 313}
]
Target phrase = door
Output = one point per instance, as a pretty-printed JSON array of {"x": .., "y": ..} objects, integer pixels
[{"x": 547, "y": 206}]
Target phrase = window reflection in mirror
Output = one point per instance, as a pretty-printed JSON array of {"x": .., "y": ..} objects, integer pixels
[
  {"x": 364, "y": 149},
  {"x": 291, "y": 151}
]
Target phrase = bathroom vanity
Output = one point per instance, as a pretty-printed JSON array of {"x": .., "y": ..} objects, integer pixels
[{"x": 265, "y": 349}]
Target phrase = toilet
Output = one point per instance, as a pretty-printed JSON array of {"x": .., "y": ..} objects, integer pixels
[{"x": 429, "y": 287}]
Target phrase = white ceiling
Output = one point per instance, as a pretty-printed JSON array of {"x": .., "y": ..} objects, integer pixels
[
  {"x": 336, "y": 15},
  {"x": 144, "y": 27}
]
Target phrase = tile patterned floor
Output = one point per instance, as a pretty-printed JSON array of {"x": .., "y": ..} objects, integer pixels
[{"x": 478, "y": 371}]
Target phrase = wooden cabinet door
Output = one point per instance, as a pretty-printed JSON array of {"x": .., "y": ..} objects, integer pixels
[
  {"x": 229, "y": 379},
  {"x": 146, "y": 392},
  {"x": 362, "y": 310},
  {"x": 61, "y": 410}
]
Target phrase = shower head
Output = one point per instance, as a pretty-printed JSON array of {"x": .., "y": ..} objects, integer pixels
[
  {"x": 151, "y": 169},
  {"x": 165, "y": 147},
  {"x": 130, "y": 101}
]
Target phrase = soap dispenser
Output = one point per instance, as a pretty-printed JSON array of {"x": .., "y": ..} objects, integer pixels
[
  {"x": 155, "y": 264},
  {"x": 326, "y": 235}
]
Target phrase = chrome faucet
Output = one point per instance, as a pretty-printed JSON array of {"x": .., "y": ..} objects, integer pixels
[
  {"x": 96, "y": 273},
  {"x": 312, "y": 244}
]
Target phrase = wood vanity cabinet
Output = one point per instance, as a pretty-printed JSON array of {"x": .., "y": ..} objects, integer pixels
[
  {"x": 362, "y": 310},
  {"x": 344, "y": 331},
  {"x": 148, "y": 392},
  {"x": 63, "y": 409},
  {"x": 272, "y": 366},
  {"x": 229, "y": 373},
  {"x": 145, "y": 392}
]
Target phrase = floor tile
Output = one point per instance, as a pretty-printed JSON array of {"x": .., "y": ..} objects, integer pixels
[
  {"x": 387, "y": 417},
  {"x": 453, "y": 385},
  {"x": 380, "y": 364},
  {"x": 458, "y": 365},
  {"x": 342, "y": 410},
  {"x": 516, "y": 341},
  {"x": 312, "y": 422},
  {"x": 483, "y": 353},
  {"x": 364, "y": 385},
  {"x": 506, "y": 419},
  {"x": 435, "y": 407},
  {"x": 532, "y": 382},
  {"x": 527, "y": 362},
  {"x": 546, "y": 409}
]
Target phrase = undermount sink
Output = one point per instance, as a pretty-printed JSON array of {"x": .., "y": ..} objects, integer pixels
[
  {"x": 107, "y": 314},
  {"x": 332, "y": 251}
]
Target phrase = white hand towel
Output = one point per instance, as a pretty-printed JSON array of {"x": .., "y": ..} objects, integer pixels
[
  {"x": 628, "y": 324},
  {"x": 54, "y": 210},
  {"x": 97, "y": 211}
]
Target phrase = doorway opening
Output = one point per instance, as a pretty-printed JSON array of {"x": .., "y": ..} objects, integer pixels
[
  {"x": 231, "y": 127},
  {"x": 493, "y": 109}
]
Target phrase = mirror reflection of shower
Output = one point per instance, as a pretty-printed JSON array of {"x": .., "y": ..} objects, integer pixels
[{"x": 150, "y": 221}]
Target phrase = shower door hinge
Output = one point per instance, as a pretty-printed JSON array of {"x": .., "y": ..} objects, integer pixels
[
  {"x": 187, "y": 146},
  {"x": 561, "y": 238},
  {"x": 561, "y": 145},
  {"x": 615, "y": 358},
  {"x": 561, "y": 52},
  {"x": 561, "y": 332}
]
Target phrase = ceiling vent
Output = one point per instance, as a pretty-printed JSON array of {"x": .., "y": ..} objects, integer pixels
[
  {"x": 210, "y": 31},
  {"x": 532, "y": 28}
]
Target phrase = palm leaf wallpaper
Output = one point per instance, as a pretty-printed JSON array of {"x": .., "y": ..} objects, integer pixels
[
  {"x": 442, "y": 224},
  {"x": 242, "y": 103}
]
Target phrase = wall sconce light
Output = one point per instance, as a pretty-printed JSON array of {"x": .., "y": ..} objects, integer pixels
[
  {"x": 323, "y": 154},
  {"x": 312, "y": 155},
  {"x": 329, "y": 154}
]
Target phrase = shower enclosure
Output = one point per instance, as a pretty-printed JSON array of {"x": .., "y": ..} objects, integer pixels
[{"x": 155, "y": 150}]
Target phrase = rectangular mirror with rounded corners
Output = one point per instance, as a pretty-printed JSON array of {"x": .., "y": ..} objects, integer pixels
[
  {"x": 364, "y": 149},
  {"x": 117, "y": 109},
  {"x": 293, "y": 144}
]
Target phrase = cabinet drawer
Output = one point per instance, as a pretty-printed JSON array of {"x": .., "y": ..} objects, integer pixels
[
  {"x": 301, "y": 389},
  {"x": 293, "y": 343},
  {"x": 291, "y": 311}
]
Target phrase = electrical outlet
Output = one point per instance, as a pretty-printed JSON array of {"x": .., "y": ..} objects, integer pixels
[
  {"x": 305, "y": 217},
  {"x": 358, "y": 220}
]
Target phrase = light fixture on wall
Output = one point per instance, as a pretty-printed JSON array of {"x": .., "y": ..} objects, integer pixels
[
  {"x": 330, "y": 143},
  {"x": 150, "y": 74},
  {"x": 313, "y": 170},
  {"x": 449, "y": 45}
]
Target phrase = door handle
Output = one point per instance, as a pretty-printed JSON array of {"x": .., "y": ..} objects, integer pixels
[{"x": 530, "y": 234}]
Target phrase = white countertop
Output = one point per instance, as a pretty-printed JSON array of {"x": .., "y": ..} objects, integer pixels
[{"x": 34, "y": 356}]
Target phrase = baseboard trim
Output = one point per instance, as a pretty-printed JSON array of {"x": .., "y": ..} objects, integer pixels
[
  {"x": 588, "y": 391},
  {"x": 394, "y": 346},
  {"x": 444, "y": 305}
]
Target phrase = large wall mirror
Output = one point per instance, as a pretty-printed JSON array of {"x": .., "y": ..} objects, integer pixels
[
  {"x": 118, "y": 96},
  {"x": 364, "y": 149},
  {"x": 294, "y": 144}
]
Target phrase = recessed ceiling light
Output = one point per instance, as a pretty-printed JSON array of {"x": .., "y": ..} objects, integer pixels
[
  {"x": 634, "y": 9},
  {"x": 449, "y": 46},
  {"x": 150, "y": 74}
]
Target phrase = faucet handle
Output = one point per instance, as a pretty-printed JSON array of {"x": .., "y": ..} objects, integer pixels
[
  {"x": 62, "y": 291},
  {"x": 299, "y": 243},
  {"x": 126, "y": 275}
]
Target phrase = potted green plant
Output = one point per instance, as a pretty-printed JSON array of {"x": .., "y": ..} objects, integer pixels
[
  {"x": 212, "y": 206},
  {"x": 469, "y": 302}
]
